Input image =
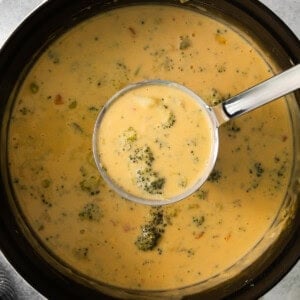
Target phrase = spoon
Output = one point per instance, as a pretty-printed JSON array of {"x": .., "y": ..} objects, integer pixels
[{"x": 259, "y": 95}]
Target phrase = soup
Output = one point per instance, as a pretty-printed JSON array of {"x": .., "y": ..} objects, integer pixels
[
  {"x": 155, "y": 141},
  {"x": 71, "y": 209}
]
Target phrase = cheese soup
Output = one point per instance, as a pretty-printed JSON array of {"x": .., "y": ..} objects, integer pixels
[
  {"x": 155, "y": 141},
  {"x": 66, "y": 202}
]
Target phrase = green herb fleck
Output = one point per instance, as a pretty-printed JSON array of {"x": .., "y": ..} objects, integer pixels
[
  {"x": 46, "y": 183},
  {"x": 185, "y": 43},
  {"x": 150, "y": 181},
  {"x": 45, "y": 201},
  {"x": 232, "y": 129},
  {"x": 73, "y": 104},
  {"x": 182, "y": 182},
  {"x": 76, "y": 127},
  {"x": 93, "y": 108},
  {"x": 198, "y": 221},
  {"x": 81, "y": 253},
  {"x": 257, "y": 169},
  {"x": 53, "y": 56},
  {"x": 216, "y": 97},
  {"x": 24, "y": 111},
  {"x": 34, "y": 88},
  {"x": 215, "y": 176},
  {"x": 91, "y": 212},
  {"x": 221, "y": 68},
  {"x": 201, "y": 194}
]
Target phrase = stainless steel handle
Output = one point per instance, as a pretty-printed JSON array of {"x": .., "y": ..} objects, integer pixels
[{"x": 263, "y": 93}]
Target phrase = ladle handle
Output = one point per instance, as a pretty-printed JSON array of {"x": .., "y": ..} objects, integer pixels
[{"x": 263, "y": 93}]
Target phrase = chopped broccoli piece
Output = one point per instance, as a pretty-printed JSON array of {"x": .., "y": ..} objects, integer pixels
[
  {"x": 232, "y": 129},
  {"x": 142, "y": 155},
  {"x": 216, "y": 97},
  {"x": 231, "y": 126},
  {"x": 76, "y": 127},
  {"x": 53, "y": 56},
  {"x": 150, "y": 181},
  {"x": 46, "y": 183},
  {"x": 258, "y": 169},
  {"x": 170, "y": 213},
  {"x": 127, "y": 138},
  {"x": 152, "y": 231},
  {"x": 214, "y": 176},
  {"x": 147, "y": 240},
  {"x": 170, "y": 122},
  {"x": 157, "y": 216},
  {"x": 201, "y": 194},
  {"x": 72, "y": 104},
  {"x": 198, "y": 221},
  {"x": 34, "y": 88},
  {"x": 25, "y": 111},
  {"x": 184, "y": 43},
  {"x": 91, "y": 212},
  {"x": 130, "y": 134},
  {"x": 146, "y": 178},
  {"x": 91, "y": 185}
]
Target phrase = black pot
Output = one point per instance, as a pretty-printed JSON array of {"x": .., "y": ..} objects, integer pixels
[{"x": 35, "y": 33}]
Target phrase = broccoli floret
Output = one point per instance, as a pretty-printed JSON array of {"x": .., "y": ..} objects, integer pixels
[
  {"x": 91, "y": 185},
  {"x": 150, "y": 181},
  {"x": 216, "y": 97},
  {"x": 34, "y": 88},
  {"x": 142, "y": 155},
  {"x": 127, "y": 138},
  {"x": 90, "y": 180},
  {"x": 201, "y": 194},
  {"x": 147, "y": 240},
  {"x": 198, "y": 221},
  {"x": 46, "y": 183},
  {"x": 152, "y": 231},
  {"x": 90, "y": 211},
  {"x": 258, "y": 169},
  {"x": 157, "y": 215},
  {"x": 215, "y": 176},
  {"x": 170, "y": 122},
  {"x": 146, "y": 178}
]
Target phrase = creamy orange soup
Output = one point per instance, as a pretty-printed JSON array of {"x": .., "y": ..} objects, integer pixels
[
  {"x": 66, "y": 202},
  {"x": 155, "y": 141}
]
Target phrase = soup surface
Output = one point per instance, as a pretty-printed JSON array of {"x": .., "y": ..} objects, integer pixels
[
  {"x": 155, "y": 141},
  {"x": 66, "y": 202}
]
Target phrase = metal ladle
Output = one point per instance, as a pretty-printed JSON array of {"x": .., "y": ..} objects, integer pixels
[{"x": 261, "y": 94}]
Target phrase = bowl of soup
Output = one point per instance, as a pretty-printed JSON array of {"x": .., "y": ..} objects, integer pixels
[{"x": 67, "y": 232}]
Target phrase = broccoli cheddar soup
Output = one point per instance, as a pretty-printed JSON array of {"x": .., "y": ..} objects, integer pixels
[
  {"x": 69, "y": 207},
  {"x": 158, "y": 134}
]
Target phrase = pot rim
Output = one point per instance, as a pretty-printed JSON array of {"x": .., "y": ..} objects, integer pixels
[{"x": 290, "y": 254}]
